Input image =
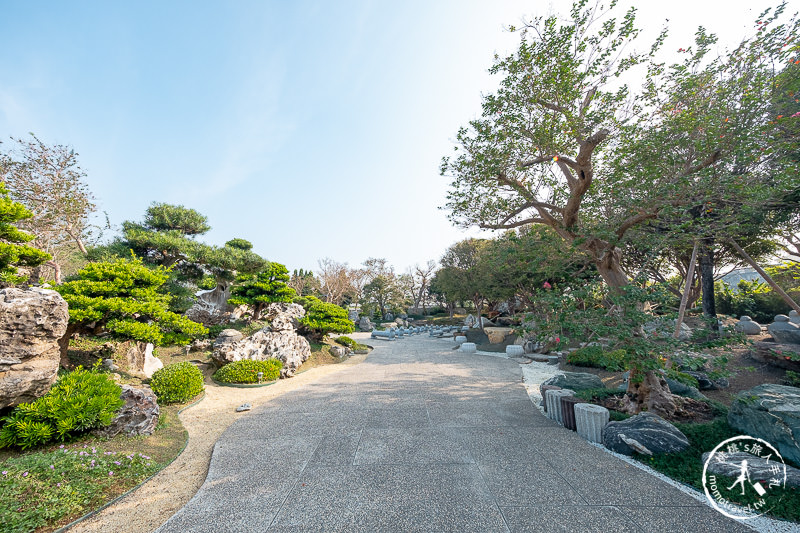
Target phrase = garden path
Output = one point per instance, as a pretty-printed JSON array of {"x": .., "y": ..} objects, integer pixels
[{"x": 421, "y": 438}]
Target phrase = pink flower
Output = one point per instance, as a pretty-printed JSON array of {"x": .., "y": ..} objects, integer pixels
[
  {"x": 547, "y": 285},
  {"x": 558, "y": 339},
  {"x": 110, "y": 473}
]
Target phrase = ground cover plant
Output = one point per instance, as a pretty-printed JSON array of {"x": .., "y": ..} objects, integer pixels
[
  {"x": 246, "y": 371},
  {"x": 49, "y": 488},
  {"x": 687, "y": 467}
]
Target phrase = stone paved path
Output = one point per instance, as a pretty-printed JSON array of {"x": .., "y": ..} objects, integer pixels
[{"x": 421, "y": 438}]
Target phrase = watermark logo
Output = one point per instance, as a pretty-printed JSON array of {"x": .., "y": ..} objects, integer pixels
[{"x": 757, "y": 470}]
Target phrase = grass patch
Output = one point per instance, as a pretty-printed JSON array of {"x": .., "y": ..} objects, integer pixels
[
  {"x": 49, "y": 488},
  {"x": 687, "y": 467}
]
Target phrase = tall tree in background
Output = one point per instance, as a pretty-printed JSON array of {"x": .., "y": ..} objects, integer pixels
[
  {"x": 49, "y": 182},
  {"x": 13, "y": 250},
  {"x": 421, "y": 279},
  {"x": 465, "y": 275},
  {"x": 335, "y": 280}
]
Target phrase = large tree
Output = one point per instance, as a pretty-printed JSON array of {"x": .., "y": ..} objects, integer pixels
[
  {"x": 552, "y": 146},
  {"x": 48, "y": 180},
  {"x": 127, "y": 298}
]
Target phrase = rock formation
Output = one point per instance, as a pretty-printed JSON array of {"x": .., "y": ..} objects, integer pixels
[{"x": 31, "y": 323}]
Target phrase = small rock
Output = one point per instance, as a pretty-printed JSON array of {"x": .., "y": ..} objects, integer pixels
[
  {"x": 338, "y": 351},
  {"x": 747, "y": 326},
  {"x": 109, "y": 364},
  {"x": 782, "y": 330},
  {"x": 243, "y": 407}
]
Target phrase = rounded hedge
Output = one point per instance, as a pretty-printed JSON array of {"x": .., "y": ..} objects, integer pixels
[
  {"x": 246, "y": 371},
  {"x": 177, "y": 383},
  {"x": 346, "y": 341}
]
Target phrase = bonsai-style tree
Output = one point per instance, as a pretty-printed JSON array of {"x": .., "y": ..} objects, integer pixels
[
  {"x": 125, "y": 298},
  {"x": 259, "y": 290},
  {"x": 323, "y": 318},
  {"x": 13, "y": 250}
]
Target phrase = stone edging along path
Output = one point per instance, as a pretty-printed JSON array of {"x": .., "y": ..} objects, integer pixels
[{"x": 157, "y": 499}]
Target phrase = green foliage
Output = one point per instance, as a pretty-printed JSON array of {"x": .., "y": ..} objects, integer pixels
[
  {"x": 13, "y": 251},
  {"x": 240, "y": 244},
  {"x": 246, "y": 371},
  {"x": 124, "y": 296},
  {"x": 346, "y": 341},
  {"x": 322, "y": 318},
  {"x": 167, "y": 217},
  {"x": 207, "y": 283},
  {"x": 793, "y": 378},
  {"x": 597, "y": 357},
  {"x": 597, "y": 394},
  {"x": 754, "y": 298},
  {"x": 177, "y": 383},
  {"x": 687, "y": 466},
  {"x": 682, "y": 377},
  {"x": 78, "y": 401},
  {"x": 266, "y": 287},
  {"x": 40, "y": 489}
]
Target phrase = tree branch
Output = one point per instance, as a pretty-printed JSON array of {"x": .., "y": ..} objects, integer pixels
[
  {"x": 517, "y": 224},
  {"x": 632, "y": 221}
]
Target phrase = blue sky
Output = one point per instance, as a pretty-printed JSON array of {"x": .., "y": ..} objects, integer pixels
[{"x": 312, "y": 129}]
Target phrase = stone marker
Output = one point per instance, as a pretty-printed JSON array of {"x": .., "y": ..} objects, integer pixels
[
  {"x": 794, "y": 318},
  {"x": 388, "y": 334},
  {"x": 514, "y": 350},
  {"x": 747, "y": 326},
  {"x": 460, "y": 339},
  {"x": 590, "y": 419},
  {"x": 468, "y": 347},
  {"x": 553, "y": 400}
]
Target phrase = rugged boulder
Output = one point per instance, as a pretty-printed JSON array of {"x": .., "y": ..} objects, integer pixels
[
  {"x": 770, "y": 412},
  {"x": 227, "y": 336},
  {"x": 287, "y": 346},
  {"x": 284, "y": 316},
  {"x": 644, "y": 433},
  {"x": 31, "y": 323},
  {"x": 138, "y": 416},
  {"x": 576, "y": 381},
  {"x": 338, "y": 351},
  {"x": 364, "y": 324},
  {"x": 141, "y": 361}
]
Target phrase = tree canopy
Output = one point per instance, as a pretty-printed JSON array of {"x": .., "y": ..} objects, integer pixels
[
  {"x": 261, "y": 289},
  {"x": 13, "y": 250}
]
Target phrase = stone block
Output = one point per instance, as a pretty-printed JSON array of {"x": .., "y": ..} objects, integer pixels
[
  {"x": 553, "y": 400},
  {"x": 514, "y": 350},
  {"x": 460, "y": 339},
  {"x": 568, "y": 410},
  {"x": 469, "y": 347},
  {"x": 543, "y": 389},
  {"x": 590, "y": 419}
]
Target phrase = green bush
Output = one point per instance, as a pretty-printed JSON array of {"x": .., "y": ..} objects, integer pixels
[
  {"x": 347, "y": 341},
  {"x": 246, "y": 371},
  {"x": 754, "y": 298},
  {"x": 78, "y": 401},
  {"x": 322, "y": 318},
  {"x": 177, "y": 383},
  {"x": 596, "y": 357},
  {"x": 793, "y": 378}
]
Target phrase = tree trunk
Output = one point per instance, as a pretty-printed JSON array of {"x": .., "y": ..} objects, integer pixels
[
  {"x": 707, "y": 277},
  {"x": 63, "y": 344},
  {"x": 56, "y": 271},
  {"x": 786, "y": 298},
  {"x": 651, "y": 394}
]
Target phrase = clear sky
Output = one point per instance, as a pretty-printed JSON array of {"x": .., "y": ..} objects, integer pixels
[{"x": 311, "y": 128}]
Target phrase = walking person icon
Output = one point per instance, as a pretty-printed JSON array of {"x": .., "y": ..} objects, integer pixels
[{"x": 744, "y": 474}]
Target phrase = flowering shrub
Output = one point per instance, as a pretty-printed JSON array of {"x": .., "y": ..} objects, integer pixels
[{"x": 246, "y": 371}]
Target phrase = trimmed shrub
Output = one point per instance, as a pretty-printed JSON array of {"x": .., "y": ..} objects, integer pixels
[
  {"x": 78, "y": 401},
  {"x": 322, "y": 318},
  {"x": 596, "y": 357},
  {"x": 246, "y": 371},
  {"x": 177, "y": 383},
  {"x": 346, "y": 341}
]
